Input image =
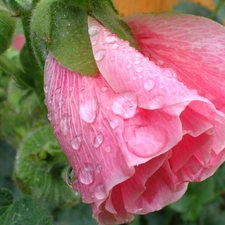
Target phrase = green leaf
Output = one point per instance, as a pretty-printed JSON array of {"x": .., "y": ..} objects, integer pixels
[
  {"x": 7, "y": 30},
  {"x": 191, "y": 204},
  {"x": 104, "y": 11},
  {"x": 212, "y": 214},
  {"x": 6, "y": 199},
  {"x": 24, "y": 211},
  {"x": 80, "y": 214},
  {"x": 40, "y": 168}
]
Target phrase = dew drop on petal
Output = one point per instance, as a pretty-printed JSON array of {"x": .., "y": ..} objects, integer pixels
[
  {"x": 98, "y": 140},
  {"x": 159, "y": 62},
  {"x": 125, "y": 105},
  {"x": 76, "y": 184},
  {"x": 115, "y": 46},
  {"x": 156, "y": 102},
  {"x": 94, "y": 42},
  {"x": 139, "y": 69},
  {"x": 76, "y": 142},
  {"x": 100, "y": 191},
  {"x": 110, "y": 39},
  {"x": 169, "y": 73},
  {"x": 98, "y": 168},
  {"x": 108, "y": 149},
  {"x": 64, "y": 124},
  {"x": 104, "y": 89},
  {"x": 149, "y": 84},
  {"x": 137, "y": 62},
  {"x": 88, "y": 110},
  {"x": 138, "y": 210},
  {"x": 46, "y": 87},
  {"x": 128, "y": 66},
  {"x": 49, "y": 115},
  {"x": 86, "y": 175},
  {"x": 114, "y": 123},
  {"x": 93, "y": 30},
  {"x": 83, "y": 196},
  {"x": 99, "y": 55}
]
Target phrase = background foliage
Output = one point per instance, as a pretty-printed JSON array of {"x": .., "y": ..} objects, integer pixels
[{"x": 24, "y": 128}]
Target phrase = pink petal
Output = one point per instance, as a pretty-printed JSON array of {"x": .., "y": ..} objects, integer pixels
[
  {"x": 80, "y": 116},
  {"x": 194, "y": 47}
]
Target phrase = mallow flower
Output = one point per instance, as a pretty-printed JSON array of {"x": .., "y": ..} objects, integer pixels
[{"x": 150, "y": 122}]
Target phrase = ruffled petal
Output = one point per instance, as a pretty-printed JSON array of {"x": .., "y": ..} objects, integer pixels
[
  {"x": 194, "y": 47},
  {"x": 169, "y": 109}
]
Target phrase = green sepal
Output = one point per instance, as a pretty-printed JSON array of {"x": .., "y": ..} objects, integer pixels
[
  {"x": 7, "y": 30},
  {"x": 104, "y": 12},
  {"x": 59, "y": 27},
  {"x": 70, "y": 42},
  {"x": 40, "y": 168}
]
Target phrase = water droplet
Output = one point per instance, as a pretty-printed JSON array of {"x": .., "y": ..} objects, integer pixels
[
  {"x": 159, "y": 62},
  {"x": 46, "y": 87},
  {"x": 68, "y": 24},
  {"x": 98, "y": 140},
  {"x": 76, "y": 142},
  {"x": 129, "y": 66},
  {"x": 83, "y": 196},
  {"x": 64, "y": 124},
  {"x": 98, "y": 168},
  {"x": 169, "y": 73},
  {"x": 89, "y": 110},
  {"x": 93, "y": 30},
  {"x": 137, "y": 62},
  {"x": 70, "y": 177},
  {"x": 139, "y": 55},
  {"x": 115, "y": 46},
  {"x": 139, "y": 69},
  {"x": 58, "y": 91},
  {"x": 104, "y": 89},
  {"x": 149, "y": 84},
  {"x": 49, "y": 115},
  {"x": 100, "y": 191},
  {"x": 61, "y": 104},
  {"x": 125, "y": 105},
  {"x": 108, "y": 149},
  {"x": 114, "y": 123},
  {"x": 94, "y": 42},
  {"x": 86, "y": 175},
  {"x": 156, "y": 102},
  {"x": 76, "y": 184},
  {"x": 138, "y": 210},
  {"x": 99, "y": 55},
  {"x": 110, "y": 39},
  {"x": 180, "y": 92}
]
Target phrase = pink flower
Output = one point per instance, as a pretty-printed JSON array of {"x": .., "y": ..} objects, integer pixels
[{"x": 142, "y": 129}]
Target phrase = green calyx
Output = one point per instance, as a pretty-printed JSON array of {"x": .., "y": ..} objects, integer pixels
[{"x": 60, "y": 27}]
